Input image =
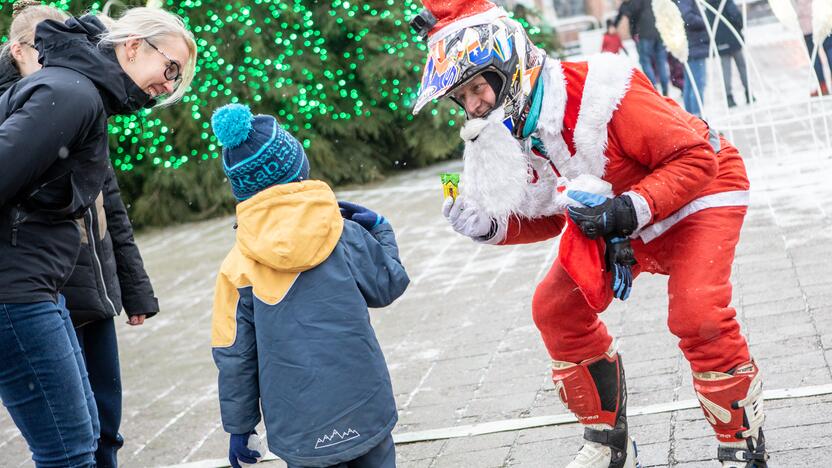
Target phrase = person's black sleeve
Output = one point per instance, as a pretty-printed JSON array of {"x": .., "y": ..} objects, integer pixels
[
  {"x": 136, "y": 291},
  {"x": 41, "y": 129}
]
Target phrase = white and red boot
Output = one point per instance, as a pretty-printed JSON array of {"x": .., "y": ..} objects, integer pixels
[
  {"x": 595, "y": 391},
  {"x": 733, "y": 405}
]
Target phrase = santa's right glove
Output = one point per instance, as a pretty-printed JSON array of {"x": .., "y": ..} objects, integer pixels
[
  {"x": 238, "y": 450},
  {"x": 467, "y": 220},
  {"x": 620, "y": 261}
]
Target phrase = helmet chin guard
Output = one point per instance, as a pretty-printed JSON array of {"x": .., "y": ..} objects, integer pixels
[{"x": 501, "y": 45}]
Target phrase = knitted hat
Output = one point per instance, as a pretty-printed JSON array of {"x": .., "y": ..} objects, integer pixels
[
  {"x": 447, "y": 12},
  {"x": 257, "y": 153}
]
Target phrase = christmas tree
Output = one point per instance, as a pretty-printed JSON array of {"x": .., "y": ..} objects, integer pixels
[{"x": 340, "y": 75}]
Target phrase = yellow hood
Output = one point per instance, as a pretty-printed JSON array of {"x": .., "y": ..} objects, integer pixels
[{"x": 292, "y": 227}]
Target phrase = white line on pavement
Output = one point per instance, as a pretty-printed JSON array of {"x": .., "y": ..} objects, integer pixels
[{"x": 540, "y": 421}]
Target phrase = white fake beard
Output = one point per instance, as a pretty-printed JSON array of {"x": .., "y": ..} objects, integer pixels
[{"x": 496, "y": 175}]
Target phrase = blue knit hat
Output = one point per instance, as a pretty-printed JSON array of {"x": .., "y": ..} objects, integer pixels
[{"x": 257, "y": 153}]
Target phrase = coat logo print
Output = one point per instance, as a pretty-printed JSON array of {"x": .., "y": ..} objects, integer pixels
[
  {"x": 336, "y": 438},
  {"x": 714, "y": 411}
]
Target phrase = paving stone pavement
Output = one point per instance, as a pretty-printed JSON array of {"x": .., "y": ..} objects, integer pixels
[{"x": 461, "y": 345}]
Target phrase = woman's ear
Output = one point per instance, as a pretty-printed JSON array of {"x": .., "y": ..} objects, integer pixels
[
  {"x": 132, "y": 47},
  {"x": 16, "y": 50}
]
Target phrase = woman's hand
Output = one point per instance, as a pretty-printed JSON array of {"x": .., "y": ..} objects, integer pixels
[{"x": 136, "y": 319}]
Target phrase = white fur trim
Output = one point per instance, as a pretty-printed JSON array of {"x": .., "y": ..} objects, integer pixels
[
  {"x": 584, "y": 183},
  {"x": 485, "y": 17},
  {"x": 550, "y": 122},
  {"x": 717, "y": 200},
  {"x": 607, "y": 80},
  {"x": 643, "y": 213}
]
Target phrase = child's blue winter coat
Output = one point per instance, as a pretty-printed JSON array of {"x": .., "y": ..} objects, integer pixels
[{"x": 291, "y": 331}]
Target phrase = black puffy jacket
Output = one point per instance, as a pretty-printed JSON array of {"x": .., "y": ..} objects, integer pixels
[
  {"x": 726, "y": 41},
  {"x": 8, "y": 72},
  {"x": 109, "y": 273},
  {"x": 54, "y": 154}
]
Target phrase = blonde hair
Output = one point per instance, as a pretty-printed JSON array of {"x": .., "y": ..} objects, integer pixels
[
  {"x": 150, "y": 23},
  {"x": 25, "y": 17}
]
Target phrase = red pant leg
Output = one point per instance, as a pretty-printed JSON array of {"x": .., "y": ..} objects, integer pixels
[
  {"x": 570, "y": 328},
  {"x": 698, "y": 253}
]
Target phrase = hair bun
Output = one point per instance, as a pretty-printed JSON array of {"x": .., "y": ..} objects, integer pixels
[{"x": 20, "y": 5}]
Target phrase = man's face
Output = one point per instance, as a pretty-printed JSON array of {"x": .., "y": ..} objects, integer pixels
[{"x": 476, "y": 97}]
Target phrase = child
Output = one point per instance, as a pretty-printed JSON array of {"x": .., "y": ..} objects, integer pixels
[
  {"x": 612, "y": 41},
  {"x": 291, "y": 332}
]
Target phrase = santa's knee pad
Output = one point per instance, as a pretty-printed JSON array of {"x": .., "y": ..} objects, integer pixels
[
  {"x": 595, "y": 391},
  {"x": 733, "y": 405}
]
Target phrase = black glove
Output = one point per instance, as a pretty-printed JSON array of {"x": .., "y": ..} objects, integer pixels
[
  {"x": 620, "y": 260},
  {"x": 603, "y": 216}
]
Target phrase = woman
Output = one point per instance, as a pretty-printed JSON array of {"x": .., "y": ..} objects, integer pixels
[
  {"x": 729, "y": 46},
  {"x": 109, "y": 272},
  {"x": 57, "y": 119}
]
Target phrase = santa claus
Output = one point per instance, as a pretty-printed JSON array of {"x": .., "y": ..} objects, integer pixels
[{"x": 638, "y": 185}]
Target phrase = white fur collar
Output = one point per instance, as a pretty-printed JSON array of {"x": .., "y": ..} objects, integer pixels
[{"x": 607, "y": 81}]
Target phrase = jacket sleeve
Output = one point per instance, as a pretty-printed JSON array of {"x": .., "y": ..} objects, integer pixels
[
  {"x": 669, "y": 143},
  {"x": 691, "y": 16},
  {"x": 733, "y": 15},
  {"x": 41, "y": 129},
  {"x": 136, "y": 290},
  {"x": 238, "y": 382},
  {"x": 375, "y": 265},
  {"x": 624, "y": 10},
  {"x": 527, "y": 231}
]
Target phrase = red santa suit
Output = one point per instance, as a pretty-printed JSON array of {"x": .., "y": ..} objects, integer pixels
[
  {"x": 601, "y": 124},
  {"x": 690, "y": 190}
]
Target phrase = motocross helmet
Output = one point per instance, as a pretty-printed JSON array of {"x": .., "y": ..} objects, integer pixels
[{"x": 460, "y": 48}]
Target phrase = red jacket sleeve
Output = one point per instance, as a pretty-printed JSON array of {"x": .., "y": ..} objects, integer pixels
[
  {"x": 674, "y": 160},
  {"x": 528, "y": 231}
]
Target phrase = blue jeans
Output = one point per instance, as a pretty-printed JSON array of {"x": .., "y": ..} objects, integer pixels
[
  {"x": 382, "y": 455},
  {"x": 699, "y": 71},
  {"x": 650, "y": 52},
  {"x": 100, "y": 348},
  {"x": 826, "y": 48},
  {"x": 43, "y": 383}
]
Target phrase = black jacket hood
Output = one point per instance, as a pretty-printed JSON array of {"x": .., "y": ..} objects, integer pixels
[
  {"x": 74, "y": 45},
  {"x": 8, "y": 73}
]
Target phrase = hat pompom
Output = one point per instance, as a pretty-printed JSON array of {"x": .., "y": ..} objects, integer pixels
[{"x": 231, "y": 124}]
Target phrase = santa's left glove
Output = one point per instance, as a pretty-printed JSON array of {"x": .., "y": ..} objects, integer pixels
[
  {"x": 602, "y": 216},
  {"x": 467, "y": 220},
  {"x": 366, "y": 217},
  {"x": 620, "y": 261},
  {"x": 238, "y": 450}
]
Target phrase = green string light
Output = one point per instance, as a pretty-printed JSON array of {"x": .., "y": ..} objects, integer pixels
[{"x": 313, "y": 64}]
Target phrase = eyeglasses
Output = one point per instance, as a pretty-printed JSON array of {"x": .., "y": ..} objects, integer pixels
[{"x": 172, "y": 72}]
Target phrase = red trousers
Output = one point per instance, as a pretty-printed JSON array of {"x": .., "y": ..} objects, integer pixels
[{"x": 696, "y": 254}]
